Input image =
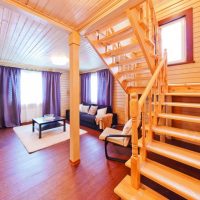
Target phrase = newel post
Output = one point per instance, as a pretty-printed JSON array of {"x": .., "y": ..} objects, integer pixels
[{"x": 135, "y": 165}]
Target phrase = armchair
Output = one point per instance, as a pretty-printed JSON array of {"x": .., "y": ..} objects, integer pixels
[{"x": 118, "y": 137}]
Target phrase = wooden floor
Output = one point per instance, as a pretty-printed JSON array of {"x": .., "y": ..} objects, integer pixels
[{"x": 48, "y": 175}]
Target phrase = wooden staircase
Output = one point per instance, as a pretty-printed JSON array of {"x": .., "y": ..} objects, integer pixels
[
  {"x": 157, "y": 115},
  {"x": 130, "y": 49}
]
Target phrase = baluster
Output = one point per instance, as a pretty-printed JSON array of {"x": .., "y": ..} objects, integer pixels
[
  {"x": 166, "y": 75},
  {"x": 150, "y": 135},
  {"x": 147, "y": 17},
  {"x": 97, "y": 35},
  {"x": 143, "y": 149},
  {"x": 135, "y": 168},
  {"x": 155, "y": 120},
  {"x": 106, "y": 48}
]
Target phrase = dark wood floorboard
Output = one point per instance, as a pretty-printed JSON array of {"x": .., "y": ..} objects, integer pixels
[{"x": 48, "y": 175}]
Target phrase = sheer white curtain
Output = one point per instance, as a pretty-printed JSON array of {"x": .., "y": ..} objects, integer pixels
[
  {"x": 93, "y": 88},
  {"x": 31, "y": 95}
]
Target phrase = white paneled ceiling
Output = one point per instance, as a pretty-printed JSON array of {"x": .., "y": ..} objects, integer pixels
[{"x": 26, "y": 39}]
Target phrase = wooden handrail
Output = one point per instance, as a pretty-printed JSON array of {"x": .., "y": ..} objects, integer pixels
[{"x": 152, "y": 81}]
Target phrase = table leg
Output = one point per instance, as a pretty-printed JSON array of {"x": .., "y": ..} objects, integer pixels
[
  {"x": 64, "y": 128},
  {"x": 40, "y": 131},
  {"x": 33, "y": 126}
]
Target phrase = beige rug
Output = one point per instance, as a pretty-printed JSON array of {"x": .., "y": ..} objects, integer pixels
[{"x": 50, "y": 137}]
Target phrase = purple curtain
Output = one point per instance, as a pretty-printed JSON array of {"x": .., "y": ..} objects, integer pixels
[
  {"x": 105, "y": 87},
  {"x": 85, "y": 88},
  {"x": 51, "y": 93},
  {"x": 10, "y": 102}
]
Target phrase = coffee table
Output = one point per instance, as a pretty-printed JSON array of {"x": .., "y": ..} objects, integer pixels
[{"x": 45, "y": 124}]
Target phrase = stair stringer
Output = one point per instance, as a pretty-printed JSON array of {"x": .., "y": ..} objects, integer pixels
[{"x": 140, "y": 35}]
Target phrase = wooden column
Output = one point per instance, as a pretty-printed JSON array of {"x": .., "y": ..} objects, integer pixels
[{"x": 74, "y": 43}]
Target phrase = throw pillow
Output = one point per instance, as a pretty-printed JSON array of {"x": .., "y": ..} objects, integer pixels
[
  {"x": 101, "y": 112},
  {"x": 127, "y": 131},
  {"x": 127, "y": 128},
  {"x": 80, "y": 107},
  {"x": 85, "y": 109},
  {"x": 93, "y": 110}
]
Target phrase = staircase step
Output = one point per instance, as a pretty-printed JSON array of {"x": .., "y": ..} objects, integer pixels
[
  {"x": 117, "y": 36},
  {"x": 184, "y": 156},
  {"x": 182, "y": 184},
  {"x": 126, "y": 192},
  {"x": 187, "y": 135},
  {"x": 124, "y": 81},
  {"x": 128, "y": 61},
  {"x": 122, "y": 50},
  {"x": 180, "y": 104},
  {"x": 187, "y": 118},
  {"x": 183, "y": 84},
  {"x": 188, "y": 94},
  {"x": 138, "y": 71}
]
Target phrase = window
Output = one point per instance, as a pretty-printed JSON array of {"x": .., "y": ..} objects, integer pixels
[
  {"x": 31, "y": 95},
  {"x": 31, "y": 87},
  {"x": 173, "y": 38},
  {"x": 177, "y": 38},
  {"x": 93, "y": 88}
]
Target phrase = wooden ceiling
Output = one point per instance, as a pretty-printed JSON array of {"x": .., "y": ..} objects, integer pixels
[
  {"x": 29, "y": 40},
  {"x": 74, "y": 13}
]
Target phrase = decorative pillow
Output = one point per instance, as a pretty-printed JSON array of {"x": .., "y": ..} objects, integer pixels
[
  {"x": 93, "y": 110},
  {"x": 80, "y": 107},
  {"x": 85, "y": 109},
  {"x": 127, "y": 131},
  {"x": 127, "y": 128},
  {"x": 101, "y": 112}
]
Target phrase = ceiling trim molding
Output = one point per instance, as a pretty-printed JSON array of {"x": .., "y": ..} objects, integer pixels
[
  {"x": 30, "y": 67},
  {"x": 93, "y": 70},
  {"x": 40, "y": 15}
]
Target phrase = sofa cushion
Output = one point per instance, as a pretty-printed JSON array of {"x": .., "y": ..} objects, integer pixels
[
  {"x": 101, "y": 112},
  {"x": 85, "y": 108},
  {"x": 87, "y": 118}
]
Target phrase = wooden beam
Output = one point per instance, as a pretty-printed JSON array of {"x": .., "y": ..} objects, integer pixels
[
  {"x": 110, "y": 14},
  {"x": 40, "y": 15},
  {"x": 74, "y": 43}
]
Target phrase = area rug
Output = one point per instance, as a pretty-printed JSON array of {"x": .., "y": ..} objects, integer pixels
[{"x": 50, "y": 137}]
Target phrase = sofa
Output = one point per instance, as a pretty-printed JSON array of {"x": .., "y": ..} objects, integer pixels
[{"x": 89, "y": 120}]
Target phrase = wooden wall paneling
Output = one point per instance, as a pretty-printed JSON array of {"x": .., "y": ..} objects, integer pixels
[
  {"x": 64, "y": 90},
  {"x": 119, "y": 102},
  {"x": 40, "y": 4}
]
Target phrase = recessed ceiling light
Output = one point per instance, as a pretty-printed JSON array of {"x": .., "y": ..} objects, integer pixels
[{"x": 59, "y": 60}]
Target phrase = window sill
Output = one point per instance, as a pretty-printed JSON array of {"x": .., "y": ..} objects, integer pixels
[{"x": 181, "y": 63}]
